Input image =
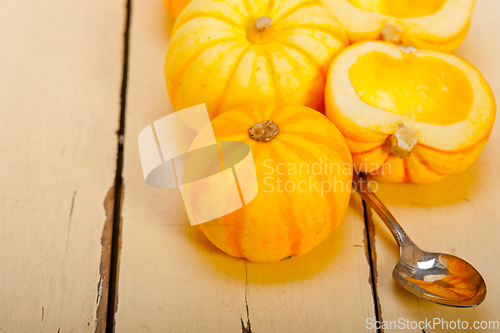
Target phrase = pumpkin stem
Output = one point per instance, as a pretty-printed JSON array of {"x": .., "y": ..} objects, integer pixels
[
  {"x": 391, "y": 32},
  {"x": 263, "y": 132},
  {"x": 263, "y": 22},
  {"x": 262, "y": 32},
  {"x": 402, "y": 142}
]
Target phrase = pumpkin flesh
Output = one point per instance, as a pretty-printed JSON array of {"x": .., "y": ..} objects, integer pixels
[{"x": 441, "y": 96}]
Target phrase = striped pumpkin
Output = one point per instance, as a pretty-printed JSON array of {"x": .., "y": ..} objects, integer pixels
[
  {"x": 230, "y": 53},
  {"x": 294, "y": 209}
]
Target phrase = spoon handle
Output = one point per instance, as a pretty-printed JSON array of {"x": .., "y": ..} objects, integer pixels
[{"x": 390, "y": 221}]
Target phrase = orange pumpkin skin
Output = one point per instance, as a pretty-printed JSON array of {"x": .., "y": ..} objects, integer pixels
[
  {"x": 219, "y": 57},
  {"x": 281, "y": 222},
  {"x": 175, "y": 7}
]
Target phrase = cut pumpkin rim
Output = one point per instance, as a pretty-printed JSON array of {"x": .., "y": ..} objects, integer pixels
[
  {"x": 384, "y": 7},
  {"x": 439, "y": 27},
  {"x": 371, "y": 124}
]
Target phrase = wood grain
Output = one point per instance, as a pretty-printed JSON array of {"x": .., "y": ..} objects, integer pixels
[
  {"x": 172, "y": 279},
  {"x": 61, "y": 74},
  {"x": 459, "y": 215}
]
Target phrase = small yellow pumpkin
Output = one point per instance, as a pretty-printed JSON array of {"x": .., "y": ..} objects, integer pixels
[
  {"x": 230, "y": 53},
  {"x": 409, "y": 115},
  {"x": 304, "y": 173}
]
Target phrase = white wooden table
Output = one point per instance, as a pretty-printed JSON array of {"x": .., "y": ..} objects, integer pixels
[{"x": 62, "y": 207}]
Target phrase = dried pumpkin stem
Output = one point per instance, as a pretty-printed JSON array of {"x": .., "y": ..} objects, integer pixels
[
  {"x": 401, "y": 142},
  {"x": 262, "y": 32},
  {"x": 263, "y": 132},
  {"x": 263, "y": 22},
  {"x": 391, "y": 32}
]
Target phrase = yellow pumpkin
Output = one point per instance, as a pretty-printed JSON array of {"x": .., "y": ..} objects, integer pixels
[
  {"x": 304, "y": 173},
  {"x": 409, "y": 115},
  {"x": 175, "y": 7},
  {"x": 230, "y": 53},
  {"x": 439, "y": 25}
]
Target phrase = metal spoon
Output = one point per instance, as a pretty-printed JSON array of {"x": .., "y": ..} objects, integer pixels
[{"x": 440, "y": 278}]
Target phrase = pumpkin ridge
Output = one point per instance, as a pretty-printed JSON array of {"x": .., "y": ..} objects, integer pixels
[
  {"x": 337, "y": 153},
  {"x": 318, "y": 140},
  {"x": 285, "y": 120},
  {"x": 265, "y": 114},
  {"x": 425, "y": 164},
  {"x": 180, "y": 73},
  {"x": 382, "y": 165},
  {"x": 295, "y": 9},
  {"x": 305, "y": 151},
  {"x": 209, "y": 45},
  {"x": 305, "y": 54},
  {"x": 270, "y": 5},
  {"x": 248, "y": 7},
  {"x": 252, "y": 114},
  {"x": 316, "y": 27},
  {"x": 295, "y": 233},
  {"x": 230, "y": 78},
  {"x": 234, "y": 129},
  {"x": 309, "y": 98},
  {"x": 269, "y": 60},
  {"x": 211, "y": 15},
  {"x": 406, "y": 176},
  {"x": 368, "y": 151},
  {"x": 229, "y": 224},
  {"x": 277, "y": 112}
]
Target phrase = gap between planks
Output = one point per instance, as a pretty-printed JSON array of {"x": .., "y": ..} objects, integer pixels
[
  {"x": 371, "y": 257},
  {"x": 109, "y": 301}
]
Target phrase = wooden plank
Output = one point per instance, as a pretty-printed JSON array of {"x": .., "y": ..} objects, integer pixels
[
  {"x": 172, "y": 279},
  {"x": 61, "y": 74},
  {"x": 458, "y": 215}
]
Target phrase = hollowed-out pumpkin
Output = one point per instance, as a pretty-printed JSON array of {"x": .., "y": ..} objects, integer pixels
[
  {"x": 230, "y": 53},
  {"x": 439, "y": 25},
  {"x": 304, "y": 173},
  {"x": 409, "y": 115}
]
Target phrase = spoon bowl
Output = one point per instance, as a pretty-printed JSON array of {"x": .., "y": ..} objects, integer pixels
[{"x": 437, "y": 277}]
